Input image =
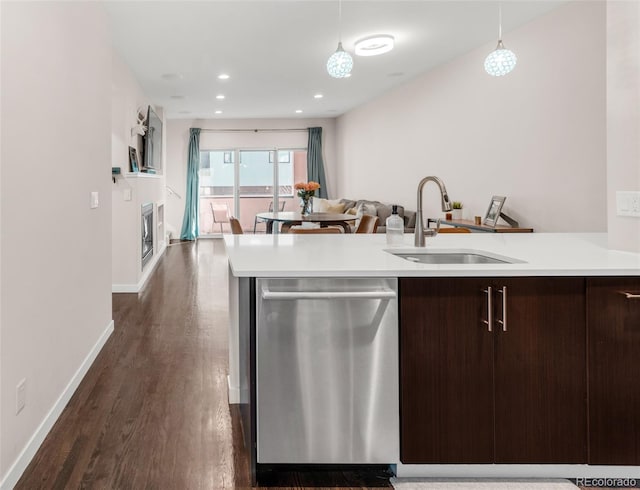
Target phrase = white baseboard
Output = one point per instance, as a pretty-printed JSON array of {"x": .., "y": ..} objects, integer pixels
[
  {"x": 517, "y": 471},
  {"x": 234, "y": 392},
  {"x": 136, "y": 288},
  {"x": 24, "y": 458}
]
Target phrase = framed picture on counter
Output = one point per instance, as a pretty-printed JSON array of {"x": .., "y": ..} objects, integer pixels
[
  {"x": 493, "y": 213},
  {"x": 133, "y": 159}
]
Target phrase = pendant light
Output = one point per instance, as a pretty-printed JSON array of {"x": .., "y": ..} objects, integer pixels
[
  {"x": 340, "y": 63},
  {"x": 500, "y": 61}
]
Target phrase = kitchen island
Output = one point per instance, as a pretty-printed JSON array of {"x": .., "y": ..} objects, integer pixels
[{"x": 500, "y": 371}]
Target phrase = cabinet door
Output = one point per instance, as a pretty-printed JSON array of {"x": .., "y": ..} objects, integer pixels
[
  {"x": 613, "y": 322},
  {"x": 540, "y": 371},
  {"x": 446, "y": 372}
]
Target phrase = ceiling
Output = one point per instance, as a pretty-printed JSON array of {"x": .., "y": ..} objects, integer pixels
[{"x": 276, "y": 51}]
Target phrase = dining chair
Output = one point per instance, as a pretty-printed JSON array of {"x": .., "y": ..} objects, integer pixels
[
  {"x": 281, "y": 206},
  {"x": 368, "y": 224},
  {"x": 220, "y": 213},
  {"x": 454, "y": 230},
  {"x": 236, "y": 227},
  {"x": 311, "y": 231}
]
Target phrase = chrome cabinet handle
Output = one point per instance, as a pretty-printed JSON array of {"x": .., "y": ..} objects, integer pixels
[
  {"x": 489, "y": 321},
  {"x": 629, "y": 295},
  {"x": 503, "y": 322},
  {"x": 294, "y": 295}
]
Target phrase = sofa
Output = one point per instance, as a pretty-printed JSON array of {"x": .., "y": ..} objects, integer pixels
[{"x": 375, "y": 208}]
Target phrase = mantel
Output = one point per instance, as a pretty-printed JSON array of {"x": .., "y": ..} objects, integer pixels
[{"x": 141, "y": 175}]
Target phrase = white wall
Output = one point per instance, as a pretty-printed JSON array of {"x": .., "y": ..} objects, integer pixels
[
  {"x": 178, "y": 144},
  {"x": 536, "y": 136},
  {"x": 55, "y": 250},
  {"x": 127, "y": 97},
  {"x": 623, "y": 118}
]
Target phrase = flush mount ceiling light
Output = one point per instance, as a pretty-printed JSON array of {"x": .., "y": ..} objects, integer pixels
[
  {"x": 500, "y": 61},
  {"x": 223, "y": 76},
  {"x": 374, "y": 45},
  {"x": 220, "y": 97},
  {"x": 340, "y": 63}
]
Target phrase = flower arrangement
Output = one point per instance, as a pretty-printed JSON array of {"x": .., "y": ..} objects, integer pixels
[
  {"x": 456, "y": 205},
  {"x": 306, "y": 190}
]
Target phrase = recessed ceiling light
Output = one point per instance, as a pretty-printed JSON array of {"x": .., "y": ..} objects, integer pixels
[
  {"x": 374, "y": 45},
  {"x": 298, "y": 111},
  {"x": 171, "y": 76},
  {"x": 318, "y": 96},
  {"x": 220, "y": 97},
  {"x": 348, "y": 75},
  {"x": 177, "y": 97},
  {"x": 218, "y": 112},
  {"x": 223, "y": 76},
  {"x": 396, "y": 74},
  {"x": 184, "y": 112}
]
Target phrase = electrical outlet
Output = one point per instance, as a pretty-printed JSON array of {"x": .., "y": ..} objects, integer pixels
[
  {"x": 127, "y": 194},
  {"x": 21, "y": 395},
  {"x": 628, "y": 203},
  {"x": 94, "y": 200}
]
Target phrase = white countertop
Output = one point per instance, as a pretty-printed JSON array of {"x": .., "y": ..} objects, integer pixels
[{"x": 350, "y": 255}]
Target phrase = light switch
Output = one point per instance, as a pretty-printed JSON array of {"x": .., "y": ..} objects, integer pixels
[
  {"x": 94, "y": 200},
  {"x": 628, "y": 203},
  {"x": 127, "y": 194}
]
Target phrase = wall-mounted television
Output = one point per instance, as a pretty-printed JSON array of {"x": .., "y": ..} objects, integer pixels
[{"x": 153, "y": 143}]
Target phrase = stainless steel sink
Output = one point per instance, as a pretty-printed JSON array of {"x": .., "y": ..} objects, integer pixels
[{"x": 446, "y": 256}]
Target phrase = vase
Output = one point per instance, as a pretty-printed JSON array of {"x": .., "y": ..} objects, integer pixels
[{"x": 305, "y": 205}]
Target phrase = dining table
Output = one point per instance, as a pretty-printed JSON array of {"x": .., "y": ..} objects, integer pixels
[{"x": 296, "y": 218}]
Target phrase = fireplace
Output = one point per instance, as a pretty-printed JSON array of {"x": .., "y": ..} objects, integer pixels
[{"x": 147, "y": 233}]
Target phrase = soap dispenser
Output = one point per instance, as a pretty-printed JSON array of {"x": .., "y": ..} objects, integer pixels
[{"x": 395, "y": 227}]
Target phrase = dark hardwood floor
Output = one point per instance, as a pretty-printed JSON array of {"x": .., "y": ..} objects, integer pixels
[{"x": 152, "y": 411}]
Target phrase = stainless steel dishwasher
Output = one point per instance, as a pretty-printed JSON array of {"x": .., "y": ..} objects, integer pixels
[{"x": 327, "y": 371}]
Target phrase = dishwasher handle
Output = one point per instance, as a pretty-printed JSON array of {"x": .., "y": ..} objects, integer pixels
[{"x": 293, "y": 295}]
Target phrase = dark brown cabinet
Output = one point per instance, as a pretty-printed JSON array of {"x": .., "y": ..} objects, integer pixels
[
  {"x": 613, "y": 328},
  {"x": 493, "y": 370}
]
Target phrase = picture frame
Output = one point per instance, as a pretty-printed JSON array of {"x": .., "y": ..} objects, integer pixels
[
  {"x": 133, "y": 160},
  {"x": 227, "y": 157},
  {"x": 493, "y": 211}
]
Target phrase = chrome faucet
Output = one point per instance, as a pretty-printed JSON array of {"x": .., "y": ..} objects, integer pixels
[{"x": 446, "y": 206}]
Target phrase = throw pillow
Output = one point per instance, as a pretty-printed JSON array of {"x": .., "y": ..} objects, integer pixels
[
  {"x": 326, "y": 206},
  {"x": 364, "y": 208}
]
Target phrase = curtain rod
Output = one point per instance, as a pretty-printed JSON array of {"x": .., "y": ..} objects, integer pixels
[{"x": 253, "y": 130}]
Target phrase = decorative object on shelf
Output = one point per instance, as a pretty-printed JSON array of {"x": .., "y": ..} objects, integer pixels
[
  {"x": 500, "y": 61},
  {"x": 374, "y": 45},
  {"x": 133, "y": 159},
  {"x": 495, "y": 212},
  {"x": 306, "y": 190},
  {"x": 456, "y": 210},
  {"x": 140, "y": 129},
  {"x": 340, "y": 63}
]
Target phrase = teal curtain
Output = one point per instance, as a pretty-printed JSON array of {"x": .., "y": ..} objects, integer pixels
[
  {"x": 190, "y": 225},
  {"x": 315, "y": 164}
]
